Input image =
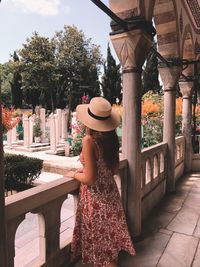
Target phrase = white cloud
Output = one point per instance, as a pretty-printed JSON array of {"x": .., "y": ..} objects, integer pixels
[{"x": 41, "y": 7}]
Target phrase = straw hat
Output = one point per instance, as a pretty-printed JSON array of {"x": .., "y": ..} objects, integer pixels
[{"x": 98, "y": 115}]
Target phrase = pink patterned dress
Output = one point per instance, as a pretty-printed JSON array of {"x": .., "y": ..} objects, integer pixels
[{"x": 100, "y": 230}]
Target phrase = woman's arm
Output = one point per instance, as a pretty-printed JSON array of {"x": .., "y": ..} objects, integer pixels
[{"x": 87, "y": 177}]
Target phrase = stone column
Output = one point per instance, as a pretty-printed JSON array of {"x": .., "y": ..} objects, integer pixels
[
  {"x": 26, "y": 132},
  {"x": 170, "y": 77},
  {"x": 3, "y": 232},
  {"x": 42, "y": 124},
  {"x": 186, "y": 90},
  {"x": 132, "y": 48}
]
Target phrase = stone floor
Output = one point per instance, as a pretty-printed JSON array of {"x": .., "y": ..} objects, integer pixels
[{"x": 171, "y": 235}]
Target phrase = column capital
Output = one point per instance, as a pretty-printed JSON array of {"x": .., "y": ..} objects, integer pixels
[
  {"x": 170, "y": 77},
  {"x": 186, "y": 89},
  {"x": 132, "y": 48}
]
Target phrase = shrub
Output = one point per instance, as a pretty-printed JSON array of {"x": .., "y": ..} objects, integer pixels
[
  {"x": 21, "y": 171},
  {"x": 37, "y": 132}
]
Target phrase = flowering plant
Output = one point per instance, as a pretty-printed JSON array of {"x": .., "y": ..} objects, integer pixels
[
  {"x": 78, "y": 131},
  {"x": 7, "y": 122}
]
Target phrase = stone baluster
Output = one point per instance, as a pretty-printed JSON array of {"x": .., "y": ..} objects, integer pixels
[
  {"x": 132, "y": 48},
  {"x": 12, "y": 226},
  {"x": 26, "y": 132},
  {"x": 170, "y": 77},
  {"x": 42, "y": 123},
  {"x": 186, "y": 90},
  {"x": 49, "y": 223}
]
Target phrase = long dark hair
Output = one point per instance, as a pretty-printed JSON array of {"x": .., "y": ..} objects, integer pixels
[{"x": 109, "y": 145}]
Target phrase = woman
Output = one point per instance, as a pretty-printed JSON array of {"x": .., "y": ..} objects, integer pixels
[{"x": 100, "y": 231}]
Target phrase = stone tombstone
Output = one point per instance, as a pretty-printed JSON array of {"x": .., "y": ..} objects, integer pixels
[
  {"x": 26, "y": 131},
  {"x": 59, "y": 118},
  {"x": 31, "y": 123},
  {"x": 42, "y": 123},
  {"x": 37, "y": 111},
  {"x": 65, "y": 117},
  {"x": 52, "y": 132},
  {"x": 56, "y": 128},
  {"x": 14, "y": 132},
  {"x": 9, "y": 139}
]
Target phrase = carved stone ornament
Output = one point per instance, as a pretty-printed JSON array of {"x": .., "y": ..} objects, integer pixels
[
  {"x": 170, "y": 77},
  {"x": 132, "y": 48},
  {"x": 186, "y": 89}
]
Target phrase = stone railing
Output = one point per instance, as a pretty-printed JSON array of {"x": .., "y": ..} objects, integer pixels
[
  {"x": 46, "y": 201},
  {"x": 153, "y": 182},
  {"x": 196, "y": 155},
  {"x": 179, "y": 157}
]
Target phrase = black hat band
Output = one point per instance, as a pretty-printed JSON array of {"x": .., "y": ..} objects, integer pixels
[{"x": 97, "y": 117}]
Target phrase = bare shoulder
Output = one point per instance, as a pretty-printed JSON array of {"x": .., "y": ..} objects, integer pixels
[{"x": 87, "y": 140}]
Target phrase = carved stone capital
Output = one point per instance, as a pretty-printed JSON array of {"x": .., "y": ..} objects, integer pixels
[
  {"x": 186, "y": 89},
  {"x": 132, "y": 48},
  {"x": 170, "y": 77}
]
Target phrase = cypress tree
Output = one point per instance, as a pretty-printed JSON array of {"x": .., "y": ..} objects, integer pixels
[{"x": 111, "y": 80}]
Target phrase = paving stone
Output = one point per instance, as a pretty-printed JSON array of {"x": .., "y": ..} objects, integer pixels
[
  {"x": 197, "y": 230},
  {"x": 165, "y": 231},
  {"x": 179, "y": 252},
  {"x": 148, "y": 252},
  {"x": 159, "y": 219},
  {"x": 184, "y": 222},
  {"x": 196, "y": 262}
]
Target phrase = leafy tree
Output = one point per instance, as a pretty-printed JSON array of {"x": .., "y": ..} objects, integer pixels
[
  {"x": 6, "y": 77},
  {"x": 77, "y": 66},
  {"x": 37, "y": 66},
  {"x": 16, "y": 84},
  {"x": 111, "y": 80},
  {"x": 150, "y": 81}
]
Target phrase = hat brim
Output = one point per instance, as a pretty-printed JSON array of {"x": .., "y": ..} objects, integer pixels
[{"x": 98, "y": 125}]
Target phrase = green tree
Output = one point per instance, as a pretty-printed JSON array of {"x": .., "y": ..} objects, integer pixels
[
  {"x": 16, "y": 84},
  {"x": 150, "y": 81},
  {"x": 77, "y": 63},
  {"x": 37, "y": 67},
  {"x": 6, "y": 77},
  {"x": 111, "y": 80}
]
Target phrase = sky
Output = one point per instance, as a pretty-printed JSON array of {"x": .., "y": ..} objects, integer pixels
[{"x": 20, "y": 18}]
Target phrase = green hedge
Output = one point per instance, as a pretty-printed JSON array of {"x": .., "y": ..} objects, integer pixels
[{"x": 21, "y": 171}]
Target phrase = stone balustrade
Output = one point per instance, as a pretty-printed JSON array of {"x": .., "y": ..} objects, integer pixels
[
  {"x": 153, "y": 185},
  {"x": 46, "y": 201},
  {"x": 179, "y": 157}
]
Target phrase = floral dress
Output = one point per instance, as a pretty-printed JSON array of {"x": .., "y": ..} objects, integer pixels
[{"x": 100, "y": 230}]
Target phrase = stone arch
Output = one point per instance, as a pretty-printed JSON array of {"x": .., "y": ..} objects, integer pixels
[
  {"x": 188, "y": 49},
  {"x": 166, "y": 22}
]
